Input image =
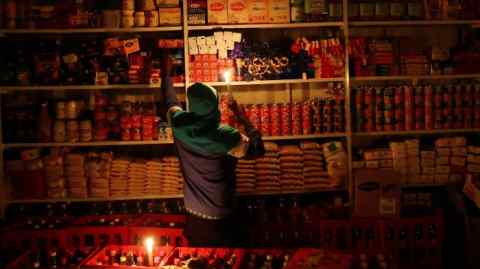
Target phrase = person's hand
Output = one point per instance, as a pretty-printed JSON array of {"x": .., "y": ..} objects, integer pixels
[
  {"x": 231, "y": 102},
  {"x": 166, "y": 65}
]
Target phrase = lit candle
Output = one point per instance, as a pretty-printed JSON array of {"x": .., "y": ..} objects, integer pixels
[
  {"x": 227, "y": 76},
  {"x": 149, "y": 247}
]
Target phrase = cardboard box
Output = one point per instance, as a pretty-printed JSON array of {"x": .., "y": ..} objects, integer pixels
[
  {"x": 237, "y": 11},
  {"x": 428, "y": 162},
  {"x": 459, "y": 151},
  {"x": 442, "y": 179},
  {"x": 458, "y": 161},
  {"x": 443, "y": 151},
  {"x": 442, "y": 160},
  {"x": 442, "y": 169},
  {"x": 168, "y": 3},
  {"x": 279, "y": 11},
  {"x": 258, "y": 11},
  {"x": 428, "y": 170},
  {"x": 372, "y": 164},
  {"x": 217, "y": 11},
  {"x": 427, "y": 154},
  {"x": 170, "y": 16},
  {"x": 377, "y": 193}
]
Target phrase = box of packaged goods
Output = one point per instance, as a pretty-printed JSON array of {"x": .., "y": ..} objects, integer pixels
[
  {"x": 258, "y": 11},
  {"x": 279, "y": 11},
  {"x": 417, "y": 163},
  {"x": 238, "y": 11},
  {"x": 217, "y": 11},
  {"x": 197, "y": 12},
  {"x": 168, "y": 3},
  {"x": 170, "y": 16}
]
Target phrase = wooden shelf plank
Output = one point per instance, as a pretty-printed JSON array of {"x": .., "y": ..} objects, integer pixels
[
  {"x": 274, "y": 82},
  {"x": 303, "y": 137},
  {"x": 414, "y": 23},
  {"x": 87, "y": 144},
  {"x": 92, "y": 30},
  {"x": 439, "y": 77},
  {"x": 426, "y": 185},
  {"x": 414, "y": 132},
  {"x": 267, "y": 26},
  {"x": 84, "y": 87}
]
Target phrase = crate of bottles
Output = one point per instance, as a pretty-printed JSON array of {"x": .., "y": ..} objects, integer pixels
[
  {"x": 205, "y": 258},
  {"x": 125, "y": 256},
  {"x": 320, "y": 259},
  {"x": 51, "y": 257},
  {"x": 166, "y": 229},
  {"x": 100, "y": 230},
  {"x": 266, "y": 258}
]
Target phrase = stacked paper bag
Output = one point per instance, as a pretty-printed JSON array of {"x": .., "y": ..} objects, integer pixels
[
  {"x": 54, "y": 175},
  {"x": 98, "y": 171},
  {"x": 173, "y": 178},
  {"x": 155, "y": 179},
  {"x": 268, "y": 169},
  {"x": 137, "y": 178},
  {"x": 119, "y": 177},
  {"x": 314, "y": 174},
  {"x": 245, "y": 173},
  {"x": 75, "y": 173},
  {"x": 291, "y": 167}
]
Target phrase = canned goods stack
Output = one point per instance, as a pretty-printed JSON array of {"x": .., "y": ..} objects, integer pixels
[
  {"x": 276, "y": 119},
  {"x": 55, "y": 175},
  {"x": 286, "y": 119},
  {"x": 98, "y": 172},
  {"x": 427, "y": 107},
  {"x": 296, "y": 119},
  {"x": 66, "y": 127},
  {"x": 265, "y": 120},
  {"x": 446, "y": 161}
]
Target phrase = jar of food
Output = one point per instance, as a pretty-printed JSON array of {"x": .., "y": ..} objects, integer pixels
[
  {"x": 398, "y": 9},
  {"x": 140, "y": 19},
  {"x": 111, "y": 18},
  {"x": 127, "y": 19},
  {"x": 72, "y": 131},
  {"x": 60, "y": 110},
  {"x": 59, "y": 131},
  {"x": 71, "y": 110},
  {"x": 152, "y": 18},
  {"x": 86, "y": 131},
  {"x": 128, "y": 5}
]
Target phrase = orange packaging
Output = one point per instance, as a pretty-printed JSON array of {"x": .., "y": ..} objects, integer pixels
[
  {"x": 258, "y": 11},
  {"x": 170, "y": 16},
  {"x": 238, "y": 11},
  {"x": 217, "y": 11},
  {"x": 279, "y": 11}
]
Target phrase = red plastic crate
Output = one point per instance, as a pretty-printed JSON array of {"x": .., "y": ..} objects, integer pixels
[
  {"x": 414, "y": 251},
  {"x": 24, "y": 239},
  {"x": 179, "y": 252},
  {"x": 24, "y": 261},
  {"x": 147, "y": 226},
  {"x": 92, "y": 235},
  {"x": 319, "y": 259},
  {"x": 259, "y": 256},
  {"x": 98, "y": 259},
  {"x": 334, "y": 234},
  {"x": 369, "y": 241}
]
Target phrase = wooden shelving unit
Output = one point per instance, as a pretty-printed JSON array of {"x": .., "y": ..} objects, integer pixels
[
  {"x": 348, "y": 136},
  {"x": 90, "y": 30},
  {"x": 417, "y": 132}
]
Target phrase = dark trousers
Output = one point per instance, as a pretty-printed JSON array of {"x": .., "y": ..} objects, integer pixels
[{"x": 209, "y": 233}]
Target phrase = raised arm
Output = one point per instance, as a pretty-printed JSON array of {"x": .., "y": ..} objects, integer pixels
[{"x": 255, "y": 141}]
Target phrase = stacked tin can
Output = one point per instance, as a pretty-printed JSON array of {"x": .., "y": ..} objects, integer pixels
[
  {"x": 286, "y": 118},
  {"x": 419, "y": 108},
  {"x": 389, "y": 109},
  {"x": 369, "y": 110},
  {"x": 296, "y": 119},
  {"x": 265, "y": 119},
  {"x": 275, "y": 119},
  {"x": 409, "y": 108},
  {"x": 399, "y": 109},
  {"x": 476, "y": 118},
  {"x": 307, "y": 117}
]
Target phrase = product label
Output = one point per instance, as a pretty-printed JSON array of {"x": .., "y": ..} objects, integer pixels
[
  {"x": 415, "y": 10},
  {"x": 367, "y": 10},
  {"x": 279, "y": 11},
  {"x": 170, "y": 16},
  {"x": 397, "y": 10},
  {"x": 353, "y": 10},
  {"x": 237, "y": 11},
  {"x": 382, "y": 9},
  {"x": 217, "y": 11},
  {"x": 258, "y": 11}
]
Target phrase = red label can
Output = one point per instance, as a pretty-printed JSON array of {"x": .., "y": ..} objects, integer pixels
[{"x": 265, "y": 119}]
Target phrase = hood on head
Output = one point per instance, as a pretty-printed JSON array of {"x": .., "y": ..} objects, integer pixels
[{"x": 202, "y": 99}]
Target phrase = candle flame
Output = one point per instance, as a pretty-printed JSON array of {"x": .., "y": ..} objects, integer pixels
[
  {"x": 149, "y": 244},
  {"x": 227, "y": 76}
]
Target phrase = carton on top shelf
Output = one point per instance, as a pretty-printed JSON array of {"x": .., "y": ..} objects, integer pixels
[
  {"x": 258, "y": 11},
  {"x": 237, "y": 11},
  {"x": 279, "y": 11},
  {"x": 217, "y": 11}
]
